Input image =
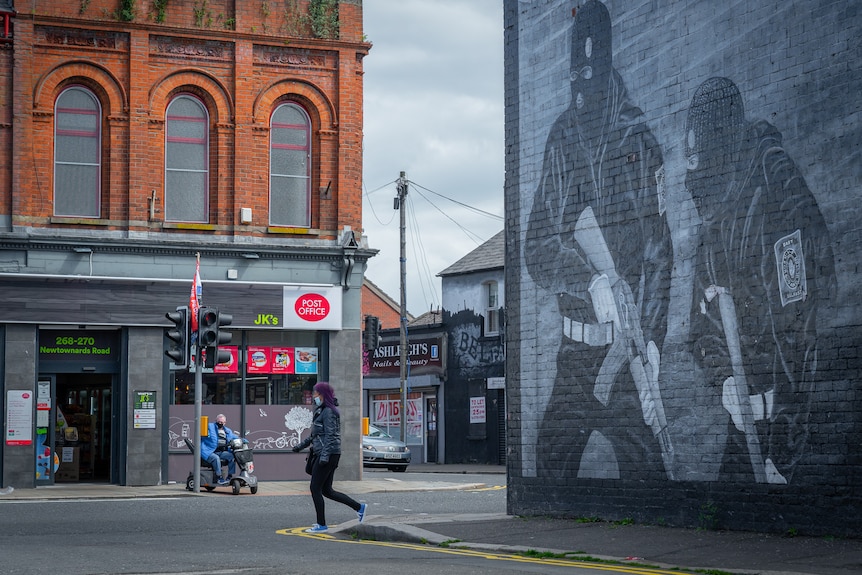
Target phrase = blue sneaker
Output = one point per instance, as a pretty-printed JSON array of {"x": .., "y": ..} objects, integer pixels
[
  {"x": 223, "y": 481},
  {"x": 361, "y": 512},
  {"x": 317, "y": 529}
]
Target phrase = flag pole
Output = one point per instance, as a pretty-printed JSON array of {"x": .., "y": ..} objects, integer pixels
[{"x": 198, "y": 375}]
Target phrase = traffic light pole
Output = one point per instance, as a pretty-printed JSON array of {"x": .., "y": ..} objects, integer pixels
[
  {"x": 199, "y": 382},
  {"x": 402, "y": 199}
]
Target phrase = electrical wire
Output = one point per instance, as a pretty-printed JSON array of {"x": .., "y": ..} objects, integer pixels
[
  {"x": 476, "y": 238},
  {"x": 462, "y": 204},
  {"x": 367, "y": 195},
  {"x": 420, "y": 253},
  {"x": 423, "y": 268}
]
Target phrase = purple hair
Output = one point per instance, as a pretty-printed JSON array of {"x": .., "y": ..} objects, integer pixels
[{"x": 327, "y": 395}]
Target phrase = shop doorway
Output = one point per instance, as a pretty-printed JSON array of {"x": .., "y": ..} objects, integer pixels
[
  {"x": 82, "y": 427},
  {"x": 431, "y": 429}
]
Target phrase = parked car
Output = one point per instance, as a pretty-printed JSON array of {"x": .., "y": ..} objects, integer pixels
[{"x": 379, "y": 449}]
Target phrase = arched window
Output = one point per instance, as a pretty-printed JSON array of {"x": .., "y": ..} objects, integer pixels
[
  {"x": 77, "y": 154},
  {"x": 187, "y": 161},
  {"x": 290, "y": 167}
]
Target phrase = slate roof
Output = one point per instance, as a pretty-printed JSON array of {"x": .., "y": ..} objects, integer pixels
[
  {"x": 7, "y": 6},
  {"x": 433, "y": 317},
  {"x": 488, "y": 256}
]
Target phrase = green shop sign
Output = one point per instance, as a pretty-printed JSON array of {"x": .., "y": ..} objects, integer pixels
[{"x": 82, "y": 345}]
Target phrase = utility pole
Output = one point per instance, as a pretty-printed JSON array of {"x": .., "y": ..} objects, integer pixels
[{"x": 400, "y": 205}]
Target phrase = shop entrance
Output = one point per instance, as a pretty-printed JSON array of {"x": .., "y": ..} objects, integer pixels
[
  {"x": 82, "y": 426},
  {"x": 431, "y": 429}
]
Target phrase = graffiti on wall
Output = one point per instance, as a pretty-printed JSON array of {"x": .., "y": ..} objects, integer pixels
[
  {"x": 598, "y": 242},
  {"x": 472, "y": 354}
]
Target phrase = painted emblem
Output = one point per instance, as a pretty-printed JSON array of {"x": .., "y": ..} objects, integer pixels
[{"x": 791, "y": 268}]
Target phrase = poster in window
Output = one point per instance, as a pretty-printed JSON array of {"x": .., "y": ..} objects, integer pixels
[
  {"x": 232, "y": 365},
  {"x": 19, "y": 417},
  {"x": 282, "y": 360},
  {"x": 258, "y": 359},
  {"x": 477, "y": 410},
  {"x": 306, "y": 360}
]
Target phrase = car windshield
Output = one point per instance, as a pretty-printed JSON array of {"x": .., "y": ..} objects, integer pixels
[{"x": 377, "y": 432}]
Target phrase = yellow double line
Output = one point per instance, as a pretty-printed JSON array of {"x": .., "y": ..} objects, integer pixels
[
  {"x": 492, "y": 488},
  {"x": 489, "y": 555}
]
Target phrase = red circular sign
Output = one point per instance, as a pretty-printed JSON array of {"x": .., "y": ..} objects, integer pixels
[{"x": 312, "y": 307}]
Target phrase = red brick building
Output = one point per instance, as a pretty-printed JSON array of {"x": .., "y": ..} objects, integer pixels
[
  {"x": 137, "y": 135},
  {"x": 378, "y": 303}
]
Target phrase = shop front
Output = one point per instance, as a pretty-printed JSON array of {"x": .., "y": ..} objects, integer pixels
[
  {"x": 388, "y": 406},
  {"x": 75, "y": 402},
  {"x": 88, "y": 394},
  {"x": 265, "y": 394}
]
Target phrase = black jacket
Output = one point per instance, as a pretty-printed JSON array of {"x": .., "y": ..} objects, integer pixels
[{"x": 325, "y": 437}]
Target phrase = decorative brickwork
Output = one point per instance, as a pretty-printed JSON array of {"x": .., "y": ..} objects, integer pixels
[{"x": 232, "y": 59}]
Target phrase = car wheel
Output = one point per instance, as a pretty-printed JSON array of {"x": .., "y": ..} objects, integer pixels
[{"x": 399, "y": 469}]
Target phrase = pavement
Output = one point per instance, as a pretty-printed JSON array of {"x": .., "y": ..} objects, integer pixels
[{"x": 688, "y": 550}]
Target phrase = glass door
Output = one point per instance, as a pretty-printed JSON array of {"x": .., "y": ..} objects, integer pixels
[
  {"x": 47, "y": 460},
  {"x": 84, "y": 426}
]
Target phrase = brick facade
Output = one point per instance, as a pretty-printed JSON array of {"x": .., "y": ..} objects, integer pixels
[
  {"x": 118, "y": 270},
  {"x": 235, "y": 60},
  {"x": 377, "y": 303},
  {"x": 682, "y": 191}
]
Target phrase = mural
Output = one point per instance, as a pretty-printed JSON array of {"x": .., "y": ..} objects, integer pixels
[
  {"x": 726, "y": 246},
  {"x": 763, "y": 264},
  {"x": 294, "y": 418},
  {"x": 597, "y": 239}
]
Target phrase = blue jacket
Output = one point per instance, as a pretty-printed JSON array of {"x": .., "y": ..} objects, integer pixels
[{"x": 210, "y": 442}]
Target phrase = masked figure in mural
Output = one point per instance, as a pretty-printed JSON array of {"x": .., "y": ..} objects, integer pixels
[
  {"x": 597, "y": 239},
  {"x": 764, "y": 263}
]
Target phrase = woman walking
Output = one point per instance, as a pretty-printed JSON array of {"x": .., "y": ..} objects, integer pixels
[{"x": 325, "y": 441}]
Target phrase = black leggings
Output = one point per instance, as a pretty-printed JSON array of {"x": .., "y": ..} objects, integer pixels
[{"x": 321, "y": 486}]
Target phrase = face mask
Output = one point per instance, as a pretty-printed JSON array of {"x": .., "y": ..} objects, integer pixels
[
  {"x": 317, "y": 401},
  {"x": 220, "y": 424}
]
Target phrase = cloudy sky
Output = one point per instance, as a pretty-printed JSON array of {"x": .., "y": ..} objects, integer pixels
[{"x": 433, "y": 109}]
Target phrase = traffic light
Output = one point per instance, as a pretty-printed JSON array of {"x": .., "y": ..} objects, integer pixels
[
  {"x": 210, "y": 335},
  {"x": 178, "y": 337},
  {"x": 372, "y": 332}
]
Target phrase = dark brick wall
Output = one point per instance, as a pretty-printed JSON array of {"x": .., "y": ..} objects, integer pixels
[
  {"x": 702, "y": 136},
  {"x": 472, "y": 359}
]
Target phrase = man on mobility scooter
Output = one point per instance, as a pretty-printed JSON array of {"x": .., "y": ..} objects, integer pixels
[
  {"x": 215, "y": 449},
  {"x": 220, "y": 446}
]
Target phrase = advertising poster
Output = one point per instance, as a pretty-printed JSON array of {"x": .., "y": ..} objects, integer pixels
[
  {"x": 19, "y": 417},
  {"x": 231, "y": 366},
  {"x": 306, "y": 360},
  {"x": 145, "y": 410},
  {"x": 258, "y": 359},
  {"x": 282, "y": 360}
]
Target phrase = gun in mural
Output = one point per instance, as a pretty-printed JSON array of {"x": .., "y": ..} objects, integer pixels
[
  {"x": 739, "y": 384},
  {"x": 613, "y": 302}
]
